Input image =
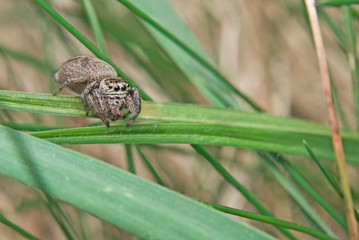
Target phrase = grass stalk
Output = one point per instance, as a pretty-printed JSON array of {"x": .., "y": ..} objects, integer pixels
[{"x": 333, "y": 122}]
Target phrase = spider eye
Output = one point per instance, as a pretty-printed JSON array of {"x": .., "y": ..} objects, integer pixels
[
  {"x": 123, "y": 88},
  {"x": 117, "y": 88}
]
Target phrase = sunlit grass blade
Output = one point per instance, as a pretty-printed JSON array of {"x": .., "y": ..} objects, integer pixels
[
  {"x": 121, "y": 198},
  {"x": 270, "y": 220},
  {"x": 199, "y": 125}
]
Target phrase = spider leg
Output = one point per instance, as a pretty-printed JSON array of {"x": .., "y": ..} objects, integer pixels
[
  {"x": 126, "y": 115},
  {"x": 95, "y": 100},
  {"x": 85, "y": 92},
  {"x": 133, "y": 103},
  {"x": 132, "y": 119},
  {"x": 68, "y": 82}
]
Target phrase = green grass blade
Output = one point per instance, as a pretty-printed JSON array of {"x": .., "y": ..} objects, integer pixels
[
  {"x": 237, "y": 185},
  {"x": 198, "y": 125},
  {"x": 149, "y": 165},
  {"x": 295, "y": 193},
  {"x": 336, "y": 3},
  {"x": 270, "y": 220},
  {"x": 121, "y": 198},
  {"x": 300, "y": 179},
  {"x": 130, "y": 162},
  {"x": 330, "y": 178},
  {"x": 332, "y": 181},
  {"x": 95, "y": 24},
  {"x": 334, "y": 26},
  {"x": 352, "y": 58},
  {"x": 17, "y": 228},
  {"x": 192, "y": 60}
]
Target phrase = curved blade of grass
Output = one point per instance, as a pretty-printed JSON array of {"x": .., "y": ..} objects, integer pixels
[
  {"x": 123, "y": 199},
  {"x": 199, "y": 125},
  {"x": 270, "y": 220},
  {"x": 184, "y": 49}
]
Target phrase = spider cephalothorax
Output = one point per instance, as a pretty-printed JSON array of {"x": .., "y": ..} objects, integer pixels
[{"x": 99, "y": 87}]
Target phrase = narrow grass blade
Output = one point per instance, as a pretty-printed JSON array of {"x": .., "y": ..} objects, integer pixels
[
  {"x": 301, "y": 181},
  {"x": 251, "y": 198},
  {"x": 17, "y": 228},
  {"x": 336, "y": 3},
  {"x": 352, "y": 58},
  {"x": 330, "y": 178},
  {"x": 123, "y": 199},
  {"x": 332, "y": 181},
  {"x": 149, "y": 165},
  {"x": 295, "y": 193},
  {"x": 270, "y": 220},
  {"x": 95, "y": 25},
  {"x": 130, "y": 162}
]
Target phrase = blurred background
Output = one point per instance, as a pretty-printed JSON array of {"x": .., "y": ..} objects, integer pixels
[{"x": 263, "y": 47}]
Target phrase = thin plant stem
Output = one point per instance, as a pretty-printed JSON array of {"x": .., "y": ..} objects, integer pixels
[{"x": 333, "y": 121}]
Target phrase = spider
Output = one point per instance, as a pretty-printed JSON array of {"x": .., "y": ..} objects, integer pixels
[{"x": 99, "y": 87}]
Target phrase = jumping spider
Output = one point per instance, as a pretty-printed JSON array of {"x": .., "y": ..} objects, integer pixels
[{"x": 99, "y": 87}]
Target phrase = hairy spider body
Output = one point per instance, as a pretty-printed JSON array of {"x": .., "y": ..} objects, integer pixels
[{"x": 98, "y": 85}]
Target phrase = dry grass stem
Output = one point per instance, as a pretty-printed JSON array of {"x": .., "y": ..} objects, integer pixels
[{"x": 333, "y": 121}]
